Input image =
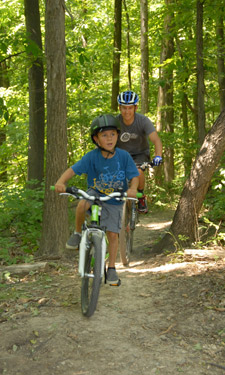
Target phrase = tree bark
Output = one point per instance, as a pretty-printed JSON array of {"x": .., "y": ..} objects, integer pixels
[
  {"x": 220, "y": 61},
  {"x": 184, "y": 228},
  {"x": 200, "y": 73},
  {"x": 144, "y": 57},
  {"x": 116, "y": 53},
  {"x": 128, "y": 46},
  {"x": 168, "y": 93},
  {"x": 36, "y": 95},
  {"x": 55, "y": 216}
]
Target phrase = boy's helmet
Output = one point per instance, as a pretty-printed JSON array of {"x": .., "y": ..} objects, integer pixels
[
  {"x": 128, "y": 98},
  {"x": 104, "y": 122}
]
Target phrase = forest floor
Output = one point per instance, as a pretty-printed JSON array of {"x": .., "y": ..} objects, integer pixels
[{"x": 166, "y": 318}]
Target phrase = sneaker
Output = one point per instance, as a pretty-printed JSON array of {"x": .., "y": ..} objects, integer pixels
[
  {"x": 74, "y": 241},
  {"x": 142, "y": 204},
  {"x": 112, "y": 277}
]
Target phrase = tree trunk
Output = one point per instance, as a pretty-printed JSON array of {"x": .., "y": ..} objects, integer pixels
[
  {"x": 144, "y": 57},
  {"x": 200, "y": 73},
  {"x": 220, "y": 61},
  {"x": 36, "y": 95},
  {"x": 168, "y": 93},
  {"x": 4, "y": 82},
  {"x": 184, "y": 228},
  {"x": 128, "y": 46},
  {"x": 116, "y": 53},
  {"x": 55, "y": 217}
]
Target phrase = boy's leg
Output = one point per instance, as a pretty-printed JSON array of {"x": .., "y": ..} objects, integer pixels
[
  {"x": 113, "y": 247},
  {"x": 112, "y": 277},
  {"x": 81, "y": 209},
  {"x": 74, "y": 240}
]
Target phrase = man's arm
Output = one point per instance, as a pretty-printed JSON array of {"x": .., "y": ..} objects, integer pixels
[{"x": 154, "y": 138}]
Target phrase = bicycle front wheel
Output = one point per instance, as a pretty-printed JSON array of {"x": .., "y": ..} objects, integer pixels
[{"x": 91, "y": 282}]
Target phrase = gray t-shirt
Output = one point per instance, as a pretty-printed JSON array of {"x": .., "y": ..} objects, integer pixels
[{"x": 134, "y": 138}]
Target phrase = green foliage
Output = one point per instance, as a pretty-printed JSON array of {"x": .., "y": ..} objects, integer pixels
[
  {"x": 215, "y": 199},
  {"x": 89, "y": 51},
  {"x": 20, "y": 222}
]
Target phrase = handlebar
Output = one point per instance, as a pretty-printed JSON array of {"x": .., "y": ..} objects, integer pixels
[
  {"x": 79, "y": 193},
  {"x": 145, "y": 165}
]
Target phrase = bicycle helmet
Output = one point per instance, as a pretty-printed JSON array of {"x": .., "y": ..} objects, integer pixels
[
  {"x": 127, "y": 98},
  {"x": 104, "y": 122}
]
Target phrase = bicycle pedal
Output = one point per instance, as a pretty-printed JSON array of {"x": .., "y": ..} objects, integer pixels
[{"x": 117, "y": 284}]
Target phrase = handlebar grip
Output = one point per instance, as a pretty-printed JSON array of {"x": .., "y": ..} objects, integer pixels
[
  {"x": 139, "y": 195},
  {"x": 52, "y": 188}
]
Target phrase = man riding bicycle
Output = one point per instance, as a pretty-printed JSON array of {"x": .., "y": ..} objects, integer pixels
[{"x": 136, "y": 132}]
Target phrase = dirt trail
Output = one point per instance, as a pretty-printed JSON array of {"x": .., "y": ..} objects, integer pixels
[{"x": 166, "y": 318}]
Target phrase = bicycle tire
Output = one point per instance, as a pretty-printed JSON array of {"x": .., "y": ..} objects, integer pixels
[
  {"x": 126, "y": 237},
  {"x": 91, "y": 282}
]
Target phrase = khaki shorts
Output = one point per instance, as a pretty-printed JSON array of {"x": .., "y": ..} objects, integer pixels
[{"x": 111, "y": 216}]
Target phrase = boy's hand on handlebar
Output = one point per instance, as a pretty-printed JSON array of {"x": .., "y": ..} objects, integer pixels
[
  {"x": 132, "y": 193},
  {"x": 60, "y": 188}
]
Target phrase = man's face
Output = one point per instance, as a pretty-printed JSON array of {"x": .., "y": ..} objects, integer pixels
[{"x": 127, "y": 112}]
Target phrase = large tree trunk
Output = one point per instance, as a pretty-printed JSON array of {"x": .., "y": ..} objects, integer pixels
[
  {"x": 116, "y": 54},
  {"x": 144, "y": 57},
  {"x": 200, "y": 73},
  {"x": 55, "y": 217},
  {"x": 36, "y": 96},
  {"x": 184, "y": 228}
]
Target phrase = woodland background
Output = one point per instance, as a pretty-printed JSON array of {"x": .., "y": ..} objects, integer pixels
[{"x": 63, "y": 63}]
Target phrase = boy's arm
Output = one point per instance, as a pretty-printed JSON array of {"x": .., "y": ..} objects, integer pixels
[
  {"x": 60, "y": 186},
  {"x": 132, "y": 191}
]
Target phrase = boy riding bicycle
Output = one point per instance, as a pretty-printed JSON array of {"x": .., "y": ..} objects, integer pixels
[{"x": 108, "y": 169}]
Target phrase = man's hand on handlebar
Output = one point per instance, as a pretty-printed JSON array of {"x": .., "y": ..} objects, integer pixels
[{"x": 157, "y": 161}]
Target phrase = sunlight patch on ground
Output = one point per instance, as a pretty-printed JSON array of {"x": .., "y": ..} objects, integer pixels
[
  {"x": 155, "y": 226},
  {"x": 164, "y": 268}
]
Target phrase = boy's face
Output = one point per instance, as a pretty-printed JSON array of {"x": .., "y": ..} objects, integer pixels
[
  {"x": 127, "y": 112},
  {"x": 107, "y": 139}
]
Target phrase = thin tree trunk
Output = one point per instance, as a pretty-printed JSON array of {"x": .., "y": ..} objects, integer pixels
[
  {"x": 55, "y": 217},
  {"x": 220, "y": 61},
  {"x": 168, "y": 94},
  {"x": 144, "y": 57},
  {"x": 4, "y": 82},
  {"x": 36, "y": 96},
  {"x": 200, "y": 73},
  {"x": 116, "y": 53},
  {"x": 128, "y": 46}
]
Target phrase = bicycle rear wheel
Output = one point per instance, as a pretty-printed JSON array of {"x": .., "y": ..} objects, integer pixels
[
  {"x": 126, "y": 236},
  {"x": 91, "y": 282}
]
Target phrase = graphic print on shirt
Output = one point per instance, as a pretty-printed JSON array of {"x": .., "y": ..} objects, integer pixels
[
  {"x": 125, "y": 137},
  {"x": 109, "y": 181}
]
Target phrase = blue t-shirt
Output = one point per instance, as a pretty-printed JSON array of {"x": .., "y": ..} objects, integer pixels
[{"x": 107, "y": 175}]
